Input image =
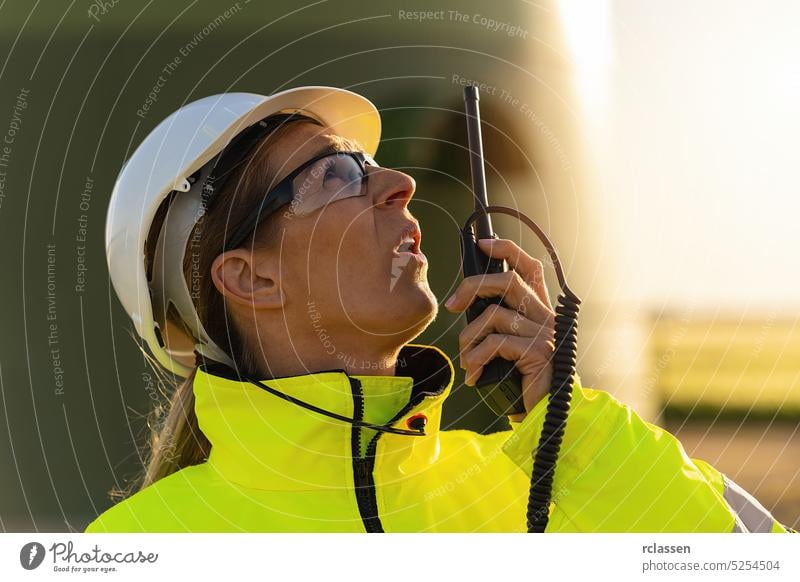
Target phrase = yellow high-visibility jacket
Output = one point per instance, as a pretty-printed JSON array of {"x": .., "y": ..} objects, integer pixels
[{"x": 277, "y": 467}]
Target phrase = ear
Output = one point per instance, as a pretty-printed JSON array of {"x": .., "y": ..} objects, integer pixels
[{"x": 249, "y": 278}]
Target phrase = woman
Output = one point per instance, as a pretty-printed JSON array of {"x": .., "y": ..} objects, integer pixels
[{"x": 263, "y": 255}]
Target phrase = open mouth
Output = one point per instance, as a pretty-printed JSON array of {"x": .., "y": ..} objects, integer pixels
[{"x": 409, "y": 241}]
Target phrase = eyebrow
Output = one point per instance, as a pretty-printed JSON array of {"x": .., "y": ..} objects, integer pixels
[
  {"x": 338, "y": 144},
  {"x": 330, "y": 148},
  {"x": 335, "y": 144}
]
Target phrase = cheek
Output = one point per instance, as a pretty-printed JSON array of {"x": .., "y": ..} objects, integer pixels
[
  {"x": 337, "y": 249},
  {"x": 361, "y": 267},
  {"x": 362, "y": 256}
]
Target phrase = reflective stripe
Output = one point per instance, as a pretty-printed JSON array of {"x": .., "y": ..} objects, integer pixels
[{"x": 751, "y": 516}]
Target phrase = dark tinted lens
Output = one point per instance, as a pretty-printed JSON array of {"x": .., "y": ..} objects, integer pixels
[{"x": 331, "y": 178}]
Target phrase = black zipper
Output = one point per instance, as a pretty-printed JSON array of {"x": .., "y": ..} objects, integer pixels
[{"x": 363, "y": 466}]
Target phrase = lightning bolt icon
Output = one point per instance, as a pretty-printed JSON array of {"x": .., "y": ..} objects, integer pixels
[{"x": 398, "y": 264}]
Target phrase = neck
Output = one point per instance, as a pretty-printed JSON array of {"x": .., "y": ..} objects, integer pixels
[{"x": 296, "y": 355}]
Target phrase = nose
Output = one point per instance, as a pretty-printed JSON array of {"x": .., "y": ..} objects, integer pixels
[{"x": 390, "y": 188}]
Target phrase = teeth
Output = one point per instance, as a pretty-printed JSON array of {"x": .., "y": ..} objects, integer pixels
[{"x": 407, "y": 244}]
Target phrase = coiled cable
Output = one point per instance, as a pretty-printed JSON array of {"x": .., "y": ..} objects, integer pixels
[{"x": 564, "y": 360}]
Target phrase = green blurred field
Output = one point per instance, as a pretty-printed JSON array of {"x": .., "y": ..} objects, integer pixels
[
  {"x": 733, "y": 364},
  {"x": 729, "y": 389}
]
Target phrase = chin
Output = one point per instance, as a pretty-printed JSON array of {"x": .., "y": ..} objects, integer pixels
[
  {"x": 403, "y": 315},
  {"x": 419, "y": 309}
]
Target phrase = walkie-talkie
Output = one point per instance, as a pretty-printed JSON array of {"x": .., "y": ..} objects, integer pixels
[{"x": 500, "y": 383}]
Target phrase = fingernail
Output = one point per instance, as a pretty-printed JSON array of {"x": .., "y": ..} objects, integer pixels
[
  {"x": 450, "y": 302},
  {"x": 487, "y": 241}
]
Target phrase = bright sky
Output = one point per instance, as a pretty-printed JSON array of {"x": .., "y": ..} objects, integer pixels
[{"x": 693, "y": 114}]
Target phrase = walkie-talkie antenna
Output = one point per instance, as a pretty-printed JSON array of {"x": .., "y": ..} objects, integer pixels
[{"x": 483, "y": 225}]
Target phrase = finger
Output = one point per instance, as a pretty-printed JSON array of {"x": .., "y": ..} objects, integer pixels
[
  {"x": 509, "y": 285},
  {"x": 499, "y": 319},
  {"x": 530, "y": 269},
  {"x": 529, "y": 354}
]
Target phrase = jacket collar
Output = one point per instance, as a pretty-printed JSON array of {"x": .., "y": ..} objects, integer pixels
[{"x": 263, "y": 441}]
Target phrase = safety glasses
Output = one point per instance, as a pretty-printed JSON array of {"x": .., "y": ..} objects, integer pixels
[{"x": 325, "y": 178}]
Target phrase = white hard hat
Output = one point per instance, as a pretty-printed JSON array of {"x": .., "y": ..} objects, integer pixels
[{"x": 184, "y": 146}]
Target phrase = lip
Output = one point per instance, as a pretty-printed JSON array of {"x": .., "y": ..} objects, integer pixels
[{"x": 419, "y": 256}]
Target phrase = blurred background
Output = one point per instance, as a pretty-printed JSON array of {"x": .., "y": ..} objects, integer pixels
[{"x": 654, "y": 142}]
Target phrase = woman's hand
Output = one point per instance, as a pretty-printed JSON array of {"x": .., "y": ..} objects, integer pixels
[{"x": 521, "y": 331}]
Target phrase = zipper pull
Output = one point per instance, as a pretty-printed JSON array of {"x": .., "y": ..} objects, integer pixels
[{"x": 361, "y": 487}]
